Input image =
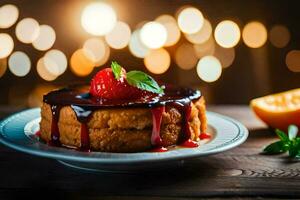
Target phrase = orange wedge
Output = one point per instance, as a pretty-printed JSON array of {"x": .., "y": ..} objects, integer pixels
[{"x": 278, "y": 110}]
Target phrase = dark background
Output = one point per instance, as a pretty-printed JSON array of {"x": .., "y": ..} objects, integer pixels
[{"x": 255, "y": 72}]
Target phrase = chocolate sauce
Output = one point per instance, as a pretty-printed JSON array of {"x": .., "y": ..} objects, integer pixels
[
  {"x": 83, "y": 105},
  {"x": 79, "y": 96},
  {"x": 83, "y": 117},
  {"x": 55, "y": 109}
]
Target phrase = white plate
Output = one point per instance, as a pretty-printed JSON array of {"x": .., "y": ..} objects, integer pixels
[{"x": 17, "y": 132}]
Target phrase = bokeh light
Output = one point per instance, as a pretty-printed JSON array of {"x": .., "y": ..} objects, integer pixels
[
  {"x": 140, "y": 25},
  {"x": 105, "y": 58},
  {"x": 8, "y": 15},
  {"x": 6, "y": 45},
  {"x": 19, "y": 63},
  {"x": 158, "y": 61},
  {"x": 55, "y": 62},
  {"x": 225, "y": 55},
  {"x": 279, "y": 36},
  {"x": 43, "y": 71},
  {"x": 153, "y": 35},
  {"x": 227, "y": 34},
  {"x": 45, "y": 39},
  {"x": 206, "y": 48},
  {"x": 27, "y": 30},
  {"x": 173, "y": 32},
  {"x": 3, "y": 66},
  {"x": 255, "y": 34},
  {"x": 136, "y": 47},
  {"x": 96, "y": 50},
  {"x": 80, "y": 64},
  {"x": 190, "y": 20},
  {"x": 98, "y": 18},
  {"x": 185, "y": 56},
  {"x": 209, "y": 69},
  {"x": 119, "y": 37},
  {"x": 292, "y": 60},
  {"x": 202, "y": 35}
]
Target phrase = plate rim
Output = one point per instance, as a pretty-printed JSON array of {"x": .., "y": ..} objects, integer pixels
[{"x": 238, "y": 140}]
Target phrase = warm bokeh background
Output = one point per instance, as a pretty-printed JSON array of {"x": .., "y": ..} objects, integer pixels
[{"x": 272, "y": 66}]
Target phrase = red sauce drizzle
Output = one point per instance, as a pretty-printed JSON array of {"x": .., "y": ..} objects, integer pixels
[
  {"x": 185, "y": 109},
  {"x": 54, "y": 126},
  {"x": 159, "y": 149},
  {"x": 156, "y": 119},
  {"x": 189, "y": 144},
  {"x": 38, "y": 133},
  {"x": 85, "y": 138},
  {"x": 203, "y": 136}
]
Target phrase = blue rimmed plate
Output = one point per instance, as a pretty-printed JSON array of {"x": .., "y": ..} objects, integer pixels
[{"x": 18, "y": 132}]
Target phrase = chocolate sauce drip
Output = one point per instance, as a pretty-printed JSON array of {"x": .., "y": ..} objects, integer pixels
[
  {"x": 83, "y": 105},
  {"x": 55, "y": 109},
  {"x": 83, "y": 117},
  {"x": 83, "y": 114}
]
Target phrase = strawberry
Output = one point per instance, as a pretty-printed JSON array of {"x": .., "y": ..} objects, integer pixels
[
  {"x": 115, "y": 83},
  {"x": 105, "y": 85}
]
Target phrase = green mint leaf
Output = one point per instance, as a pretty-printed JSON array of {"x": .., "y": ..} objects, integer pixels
[
  {"x": 288, "y": 142},
  {"x": 298, "y": 154},
  {"x": 293, "y": 131},
  {"x": 293, "y": 152},
  {"x": 117, "y": 69},
  {"x": 282, "y": 136},
  {"x": 275, "y": 148},
  {"x": 143, "y": 81},
  {"x": 294, "y": 147}
]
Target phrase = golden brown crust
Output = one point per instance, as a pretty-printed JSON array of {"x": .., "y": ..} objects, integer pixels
[
  {"x": 200, "y": 105},
  {"x": 122, "y": 130}
]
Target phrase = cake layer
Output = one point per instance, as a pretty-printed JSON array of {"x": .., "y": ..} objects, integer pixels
[{"x": 123, "y": 129}]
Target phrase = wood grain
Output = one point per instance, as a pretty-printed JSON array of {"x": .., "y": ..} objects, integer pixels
[{"x": 242, "y": 173}]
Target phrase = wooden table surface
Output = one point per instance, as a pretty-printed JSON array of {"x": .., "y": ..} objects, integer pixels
[{"x": 241, "y": 173}]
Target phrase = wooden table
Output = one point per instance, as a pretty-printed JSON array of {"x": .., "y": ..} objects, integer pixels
[{"x": 241, "y": 173}]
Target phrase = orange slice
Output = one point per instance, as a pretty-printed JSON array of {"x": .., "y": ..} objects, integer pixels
[{"x": 278, "y": 110}]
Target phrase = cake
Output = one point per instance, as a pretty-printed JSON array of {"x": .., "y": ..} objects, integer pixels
[{"x": 123, "y": 112}]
